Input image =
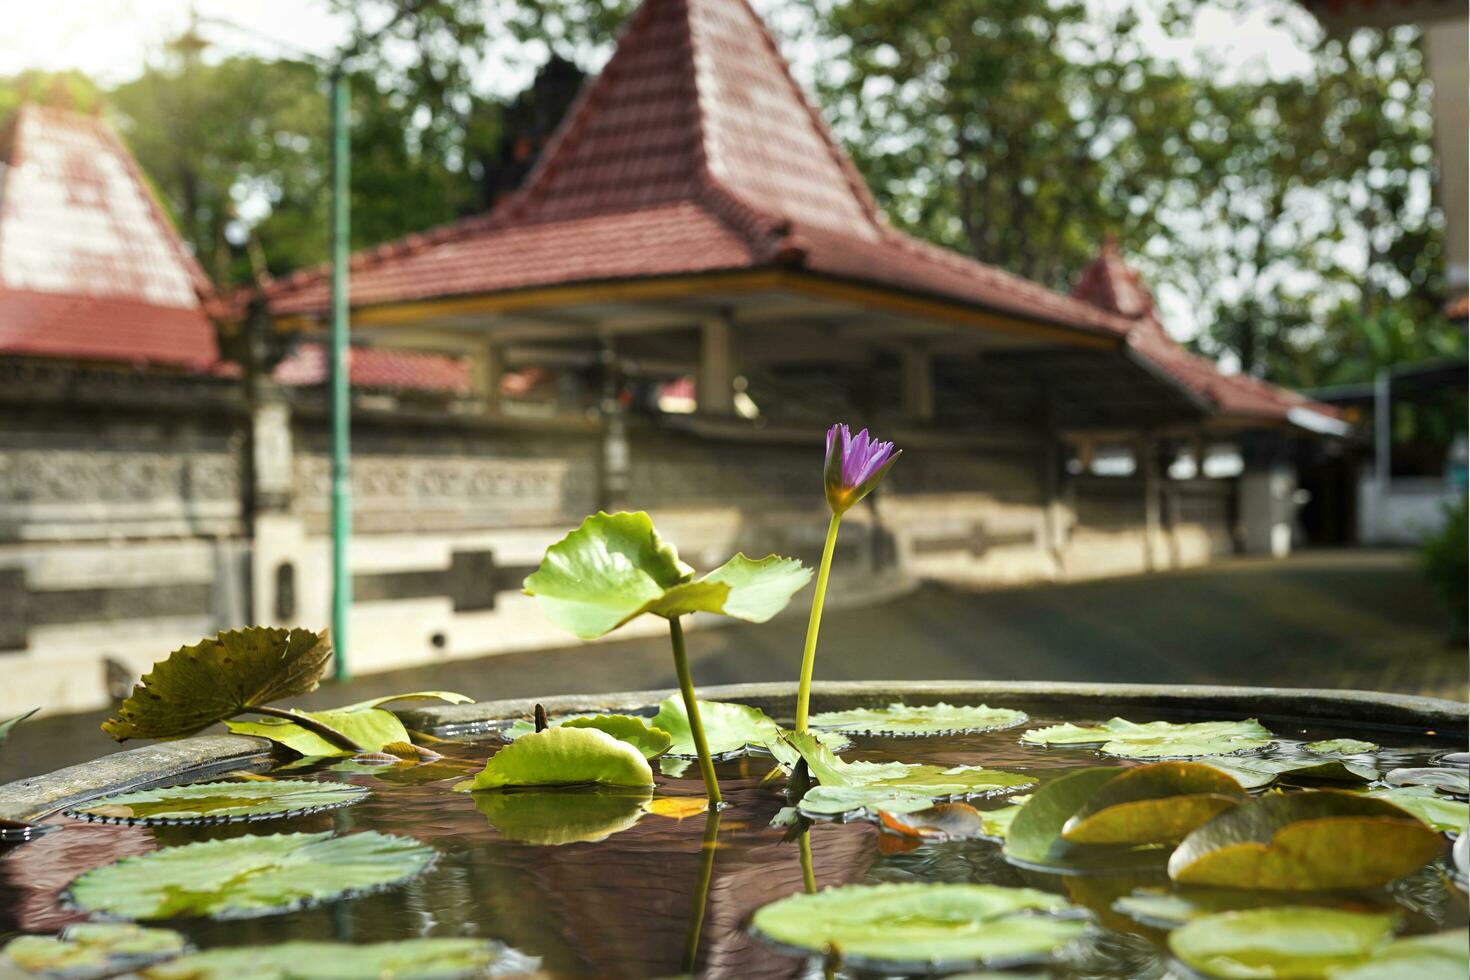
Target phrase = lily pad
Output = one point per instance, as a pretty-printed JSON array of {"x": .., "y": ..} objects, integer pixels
[
  {"x": 93, "y": 949},
  {"x": 1341, "y": 746},
  {"x": 893, "y": 786},
  {"x": 1292, "y": 941},
  {"x": 9, "y": 723},
  {"x": 1158, "y": 739},
  {"x": 924, "y": 924},
  {"x": 1035, "y": 837},
  {"x": 996, "y": 824},
  {"x": 1253, "y": 773},
  {"x": 1154, "y": 804},
  {"x": 1442, "y": 956},
  {"x": 248, "y": 876},
  {"x": 1448, "y": 779},
  {"x": 915, "y": 720},
  {"x": 563, "y": 756},
  {"x": 221, "y": 802},
  {"x": 1308, "y": 841},
  {"x": 200, "y": 685},
  {"x": 615, "y": 567},
  {"x": 651, "y": 740},
  {"x": 409, "y": 959},
  {"x": 367, "y": 723},
  {"x": 1167, "y": 909},
  {"x": 943, "y": 821},
  {"x": 729, "y": 729},
  {"x": 563, "y": 815},
  {"x": 1445, "y": 815}
]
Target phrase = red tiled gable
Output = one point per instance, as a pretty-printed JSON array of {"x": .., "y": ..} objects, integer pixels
[
  {"x": 1111, "y": 285},
  {"x": 90, "y": 267}
]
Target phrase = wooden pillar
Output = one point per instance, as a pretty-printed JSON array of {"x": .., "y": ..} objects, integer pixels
[
  {"x": 1053, "y": 524},
  {"x": 1148, "y": 465},
  {"x": 486, "y": 368},
  {"x": 616, "y": 457},
  {"x": 716, "y": 382},
  {"x": 918, "y": 384}
]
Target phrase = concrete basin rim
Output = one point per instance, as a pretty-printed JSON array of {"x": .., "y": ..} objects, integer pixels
[{"x": 36, "y": 798}]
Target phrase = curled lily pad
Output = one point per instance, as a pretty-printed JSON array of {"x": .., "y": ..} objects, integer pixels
[
  {"x": 220, "y": 802},
  {"x": 996, "y": 824},
  {"x": 924, "y": 924},
  {"x": 1253, "y": 773},
  {"x": 1442, "y": 956},
  {"x": 219, "y": 678},
  {"x": 1448, "y": 779},
  {"x": 651, "y": 740},
  {"x": 1153, "y": 804},
  {"x": 615, "y": 567},
  {"x": 1292, "y": 941},
  {"x": 1341, "y": 746},
  {"x": 729, "y": 729},
  {"x": 1445, "y": 815},
  {"x": 897, "y": 787},
  {"x": 563, "y": 756},
  {"x": 93, "y": 949},
  {"x": 1167, "y": 909},
  {"x": 409, "y": 959},
  {"x": 931, "y": 719},
  {"x": 248, "y": 876},
  {"x": 9, "y": 723},
  {"x": 1308, "y": 841},
  {"x": 943, "y": 821},
  {"x": 564, "y": 814},
  {"x": 1158, "y": 739},
  {"x": 366, "y": 723},
  {"x": 1034, "y": 838}
]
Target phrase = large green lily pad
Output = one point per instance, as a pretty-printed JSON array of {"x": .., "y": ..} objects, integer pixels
[
  {"x": 1292, "y": 941},
  {"x": 248, "y": 876},
  {"x": 366, "y": 723},
  {"x": 410, "y": 959},
  {"x": 1160, "y": 909},
  {"x": 913, "y": 720},
  {"x": 1442, "y": 956},
  {"x": 1035, "y": 840},
  {"x": 563, "y": 756},
  {"x": 729, "y": 729},
  {"x": 649, "y": 739},
  {"x": 564, "y": 815},
  {"x": 924, "y": 924},
  {"x": 1153, "y": 804},
  {"x": 615, "y": 567},
  {"x": 1308, "y": 841},
  {"x": 1158, "y": 739},
  {"x": 92, "y": 949},
  {"x": 200, "y": 685},
  {"x": 1341, "y": 746},
  {"x": 897, "y": 787},
  {"x": 221, "y": 802},
  {"x": 1254, "y": 773},
  {"x": 1449, "y": 779},
  {"x": 1445, "y": 815}
]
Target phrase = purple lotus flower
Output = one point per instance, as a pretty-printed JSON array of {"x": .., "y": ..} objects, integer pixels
[{"x": 855, "y": 465}]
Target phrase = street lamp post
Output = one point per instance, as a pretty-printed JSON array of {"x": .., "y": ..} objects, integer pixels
[{"x": 341, "y": 379}]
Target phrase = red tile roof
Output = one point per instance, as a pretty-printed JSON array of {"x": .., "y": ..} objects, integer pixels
[
  {"x": 89, "y": 265},
  {"x": 378, "y": 367},
  {"x": 695, "y": 151}
]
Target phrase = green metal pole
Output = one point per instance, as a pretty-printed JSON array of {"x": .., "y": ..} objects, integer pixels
[{"x": 341, "y": 382}]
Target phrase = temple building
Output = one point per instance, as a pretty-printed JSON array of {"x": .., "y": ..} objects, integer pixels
[{"x": 691, "y": 283}]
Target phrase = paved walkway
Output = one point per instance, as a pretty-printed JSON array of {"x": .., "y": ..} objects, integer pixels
[{"x": 1344, "y": 619}]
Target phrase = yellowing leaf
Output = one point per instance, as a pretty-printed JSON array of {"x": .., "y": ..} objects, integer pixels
[{"x": 679, "y": 807}]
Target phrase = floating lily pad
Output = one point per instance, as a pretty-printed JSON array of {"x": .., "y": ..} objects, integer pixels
[
  {"x": 615, "y": 567},
  {"x": 1035, "y": 837},
  {"x": 367, "y": 723},
  {"x": 651, "y": 740},
  {"x": 409, "y": 959},
  {"x": 219, "y": 678},
  {"x": 1154, "y": 804},
  {"x": 923, "y": 924},
  {"x": 221, "y": 802},
  {"x": 1445, "y": 815},
  {"x": 9, "y": 723},
  {"x": 931, "y": 719},
  {"x": 1452, "y": 780},
  {"x": 93, "y": 950},
  {"x": 1341, "y": 746},
  {"x": 943, "y": 821},
  {"x": 996, "y": 824},
  {"x": 563, "y": 814},
  {"x": 897, "y": 787},
  {"x": 1254, "y": 773},
  {"x": 729, "y": 729},
  {"x": 248, "y": 876},
  {"x": 1442, "y": 956},
  {"x": 563, "y": 756},
  {"x": 1293, "y": 941},
  {"x": 1167, "y": 909},
  {"x": 1308, "y": 841},
  {"x": 1158, "y": 739}
]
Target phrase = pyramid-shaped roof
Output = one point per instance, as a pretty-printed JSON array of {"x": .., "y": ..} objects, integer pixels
[
  {"x": 694, "y": 151},
  {"x": 1110, "y": 284},
  {"x": 90, "y": 266}
]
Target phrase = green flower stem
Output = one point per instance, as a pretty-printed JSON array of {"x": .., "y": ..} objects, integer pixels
[
  {"x": 696, "y": 727},
  {"x": 809, "y": 654},
  {"x": 808, "y": 871}
]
